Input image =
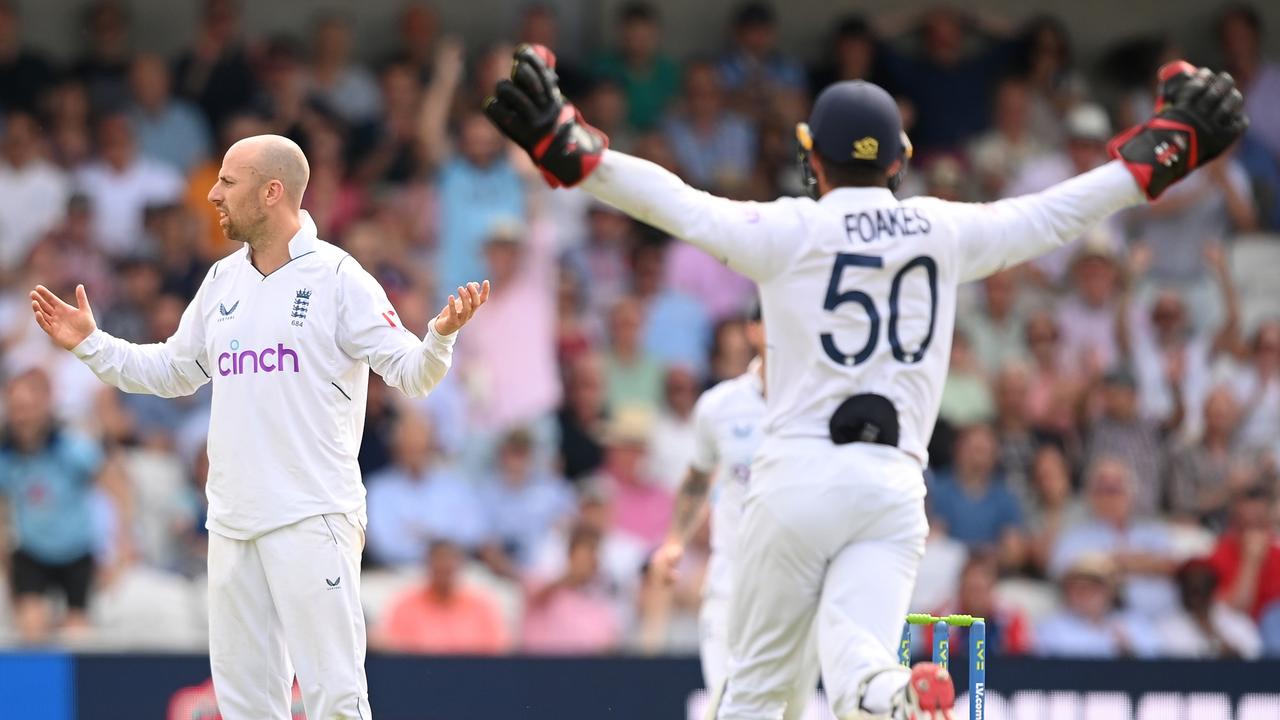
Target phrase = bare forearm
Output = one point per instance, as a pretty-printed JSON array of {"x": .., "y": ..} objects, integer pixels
[
  {"x": 1245, "y": 589},
  {"x": 690, "y": 500}
]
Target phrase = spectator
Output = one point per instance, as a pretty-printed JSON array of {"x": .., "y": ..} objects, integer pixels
[
  {"x": 522, "y": 503},
  {"x": 389, "y": 151},
  {"x": 600, "y": 261},
  {"x": 966, "y": 399},
  {"x": 852, "y": 55},
  {"x": 416, "y": 27},
  {"x": 714, "y": 146},
  {"x": 46, "y": 480},
  {"x": 1240, "y": 36},
  {"x": 345, "y": 88},
  {"x": 121, "y": 184},
  {"x": 977, "y": 508},
  {"x": 1269, "y": 626},
  {"x": 176, "y": 234},
  {"x": 1054, "y": 508},
  {"x": 1008, "y": 628},
  {"x": 1087, "y": 317},
  {"x": 755, "y": 70},
  {"x": 1089, "y": 625},
  {"x": 33, "y": 192},
  {"x": 1142, "y": 550},
  {"x": 1017, "y": 438},
  {"x": 24, "y": 72},
  {"x": 540, "y": 26},
  {"x": 606, "y": 104},
  {"x": 514, "y": 389},
  {"x": 137, "y": 289},
  {"x": 721, "y": 292},
  {"x": 214, "y": 73},
  {"x": 633, "y": 376},
  {"x": 416, "y": 501},
  {"x": 104, "y": 66},
  {"x": 1087, "y": 130},
  {"x": 1205, "y": 210},
  {"x": 1046, "y": 64},
  {"x": 476, "y": 183},
  {"x": 649, "y": 78},
  {"x": 1204, "y": 628},
  {"x": 1121, "y": 432},
  {"x": 1053, "y": 393},
  {"x": 1201, "y": 472},
  {"x": 995, "y": 329},
  {"x": 673, "y": 442},
  {"x": 1247, "y": 556},
  {"x": 677, "y": 328},
  {"x": 999, "y": 154},
  {"x": 445, "y": 617},
  {"x": 582, "y": 416},
  {"x": 67, "y": 106},
  {"x": 1256, "y": 384},
  {"x": 169, "y": 130},
  {"x": 572, "y": 615},
  {"x": 949, "y": 86},
  {"x": 642, "y": 505}
]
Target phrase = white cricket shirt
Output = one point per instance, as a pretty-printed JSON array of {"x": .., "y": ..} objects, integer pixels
[
  {"x": 289, "y": 356},
  {"x": 728, "y": 427},
  {"x": 858, "y": 289}
]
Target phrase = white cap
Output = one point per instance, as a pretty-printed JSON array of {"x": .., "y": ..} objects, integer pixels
[{"x": 1088, "y": 121}]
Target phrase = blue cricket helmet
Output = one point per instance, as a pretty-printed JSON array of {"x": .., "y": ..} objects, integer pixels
[{"x": 854, "y": 122}]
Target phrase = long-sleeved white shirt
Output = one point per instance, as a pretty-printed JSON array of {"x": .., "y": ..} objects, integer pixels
[
  {"x": 858, "y": 289},
  {"x": 289, "y": 356}
]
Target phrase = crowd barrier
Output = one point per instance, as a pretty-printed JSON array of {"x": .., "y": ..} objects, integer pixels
[{"x": 175, "y": 687}]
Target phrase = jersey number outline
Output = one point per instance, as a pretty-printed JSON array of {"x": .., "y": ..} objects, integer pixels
[{"x": 835, "y": 299}]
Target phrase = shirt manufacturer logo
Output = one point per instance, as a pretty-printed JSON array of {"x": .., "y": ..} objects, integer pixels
[
  {"x": 252, "y": 362},
  {"x": 227, "y": 312}
]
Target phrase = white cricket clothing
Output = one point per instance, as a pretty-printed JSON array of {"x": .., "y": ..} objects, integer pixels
[
  {"x": 830, "y": 543},
  {"x": 728, "y": 422},
  {"x": 293, "y": 593},
  {"x": 289, "y": 356},
  {"x": 728, "y": 427},
  {"x": 858, "y": 289}
]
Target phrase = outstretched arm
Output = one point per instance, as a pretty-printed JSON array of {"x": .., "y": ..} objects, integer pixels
[
  {"x": 369, "y": 329},
  {"x": 754, "y": 239},
  {"x": 175, "y": 367}
]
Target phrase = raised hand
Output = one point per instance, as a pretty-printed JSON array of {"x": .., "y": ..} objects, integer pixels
[
  {"x": 68, "y": 325},
  {"x": 665, "y": 561},
  {"x": 462, "y": 307}
]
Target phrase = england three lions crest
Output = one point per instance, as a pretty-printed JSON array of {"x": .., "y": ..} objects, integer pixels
[{"x": 301, "y": 303}]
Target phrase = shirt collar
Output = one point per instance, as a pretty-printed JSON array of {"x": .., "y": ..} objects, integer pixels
[
  {"x": 843, "y": 195},
  {"x": 755, "y": 375},
  {"x": 303, "y": 241}
]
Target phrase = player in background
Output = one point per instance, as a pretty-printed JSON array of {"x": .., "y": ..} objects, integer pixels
[
  {"x": 286, "y": 328},
  {"x": 859, "y": 293},
  {"x": 728, "y": 426}
]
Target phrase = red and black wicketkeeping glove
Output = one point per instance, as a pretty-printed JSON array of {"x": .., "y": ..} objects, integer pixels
[
  {"x": 529, "y": 109},
  {"x": 1198, "y": 115}
]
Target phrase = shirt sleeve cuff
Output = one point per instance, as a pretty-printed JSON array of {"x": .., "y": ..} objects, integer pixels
[
  {"x": 90, "y": 345},
  {"x": 437, "y": 340}
]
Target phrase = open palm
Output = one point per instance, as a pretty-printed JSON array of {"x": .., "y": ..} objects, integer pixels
[{"x": 68, "y": 325}]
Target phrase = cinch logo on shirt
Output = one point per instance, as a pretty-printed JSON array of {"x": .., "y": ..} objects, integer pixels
[{"x": 268, "y": 360}]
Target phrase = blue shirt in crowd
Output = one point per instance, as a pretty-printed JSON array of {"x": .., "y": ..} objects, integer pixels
[
  {"x": 974, "y": 519},
  {"x": 407, "y": 513},
  {"x": 678, "y": 331},
  {"x": 50, "y": 496},
  {"x": 472, "y": 201},
  {"x": 178, "y": 135},
  {"x": 520, "y": 516}
]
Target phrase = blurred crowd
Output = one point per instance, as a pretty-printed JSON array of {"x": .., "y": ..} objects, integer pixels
[{"x": 1103, "y": 479}]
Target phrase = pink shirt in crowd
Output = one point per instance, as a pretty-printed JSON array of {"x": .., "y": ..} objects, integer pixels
[{"x": 571, "y": 621}]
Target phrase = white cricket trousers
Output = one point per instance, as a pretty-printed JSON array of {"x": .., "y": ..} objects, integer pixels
[
  {"x": 830, "y": 541},
  {"x": 292, "y": 594},
  {"x": 713, "y": 623}
]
